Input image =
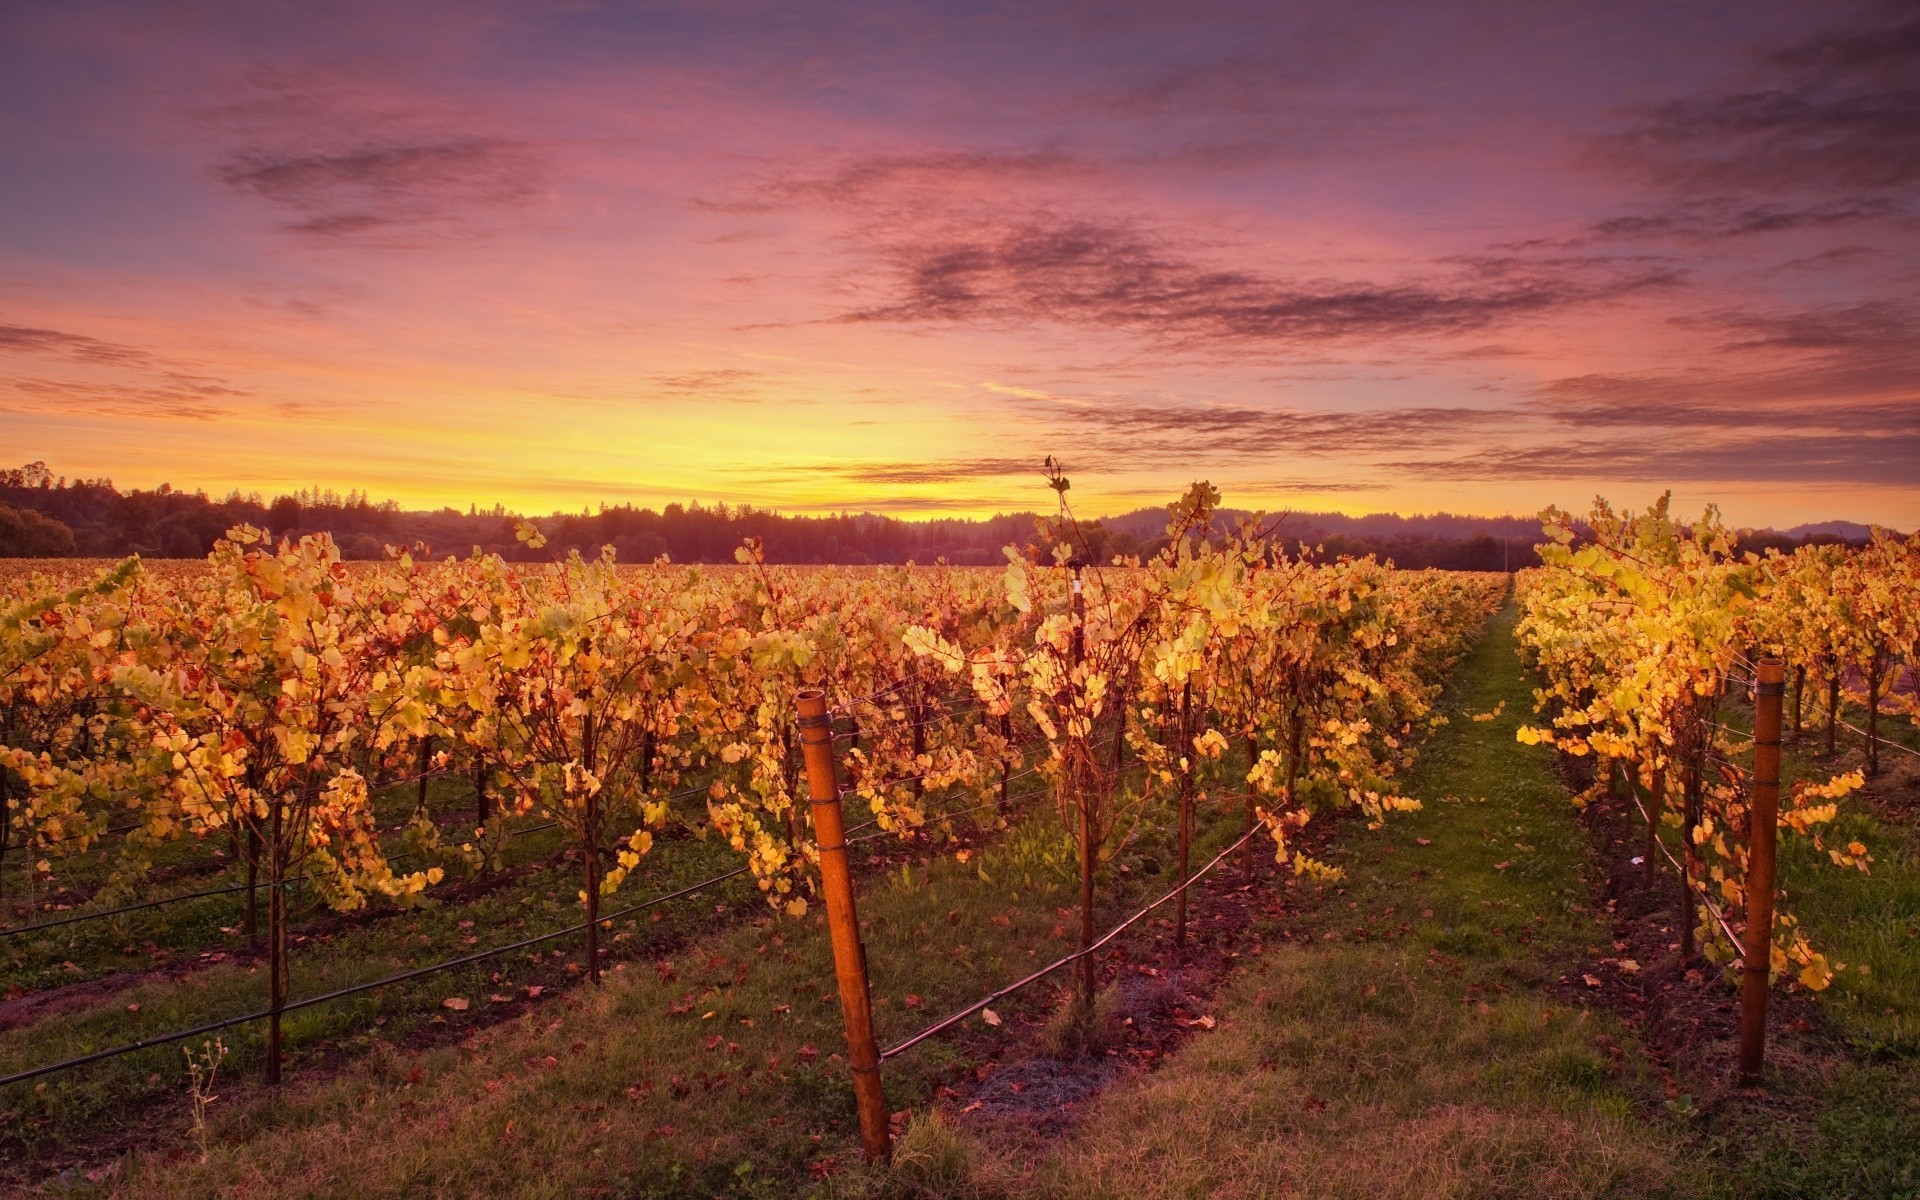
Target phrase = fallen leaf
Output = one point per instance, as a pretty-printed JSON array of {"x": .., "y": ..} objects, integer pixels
[
  {"x": 1501, "y": 866},
  {"x": 1591, "y": 981},
  {"x": 1205, "y": 1022},
  {"x": 1630, "y": 966},
  {"x": 990, "y": 1017},
  {"x": 535, "y": 990},
  {"x": 914, "y": 1002},
  {"x": 497, "y": 998},
  {"x": 1423, "y": 841},
  {"x": 456, "y": 1003}
]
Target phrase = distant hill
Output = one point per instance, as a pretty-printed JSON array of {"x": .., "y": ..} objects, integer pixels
[
  {"x": 1149, "y": 523},
  {"x": 1846, "y": 531},
  {"x": 45, "y": 515}
]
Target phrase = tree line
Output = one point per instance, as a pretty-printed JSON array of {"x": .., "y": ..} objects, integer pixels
[{"x": 47, "y": 516}]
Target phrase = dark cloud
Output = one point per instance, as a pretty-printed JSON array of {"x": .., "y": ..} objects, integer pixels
[
  {"x": 1253, "y": 84},
  {"x": 149, "y": 386},
  {"x": 22, "y": 339},
  {"x": 187, "y": 401},
  {"x": 371, "y": 187},
  {"x": 1838, "y": 112},
  {"x": 357, "y": 160},
  {"x": 1714, "y": 220},
  {"x": 1828, "y": 367},
  {"x": 904, "y": 473},
  {"x": 1265, "y": 486},
  {"x": 1840, "y": 459},
  {"x": 901, "y": 504},
  {"x": 1874, "y": 326},
  {"x": 1081, "y": 272},
  {"x": 1234, "y": 431},
  {"x": 897, "y": 181},
  {"x": 699, "y": 382}
]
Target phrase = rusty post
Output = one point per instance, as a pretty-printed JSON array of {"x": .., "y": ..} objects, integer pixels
[
  {"x": 1764, "y": 817},
  {"x": 843, "y": 923}
]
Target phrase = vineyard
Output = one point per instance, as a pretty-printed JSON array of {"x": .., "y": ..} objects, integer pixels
[{"x": 278, "y": 821}]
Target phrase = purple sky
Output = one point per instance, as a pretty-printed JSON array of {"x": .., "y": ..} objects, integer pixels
[{"x": 1361, "y": 256}]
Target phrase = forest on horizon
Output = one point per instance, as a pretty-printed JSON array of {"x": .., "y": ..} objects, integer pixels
[{"x": 43, "y": 515}]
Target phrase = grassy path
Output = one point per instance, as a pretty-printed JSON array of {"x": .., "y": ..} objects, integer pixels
[{"x": 1423, "y": 1030}]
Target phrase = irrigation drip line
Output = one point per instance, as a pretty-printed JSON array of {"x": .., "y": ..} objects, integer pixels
[
  {"x": 117, "y": 829},
  {"x": 946, "y": 1023},
  {"x": 340, "y": 993},
  {"x": 405, "y": 976},
  {"x": 1693, "y": 886},
  {"x": 1730, "y": 765},
  {"x": 77, "y": 918},
  {"x": 854, "y": 789},
  {"x": 942, "y": 814},
  {"x": 1900, "y": 746},
  {"x": 30, "y": 845},
  {"x": 937, "y": 716}
]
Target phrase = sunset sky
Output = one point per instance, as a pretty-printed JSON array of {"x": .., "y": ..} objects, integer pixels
[{"x": 1359, "y": 256}]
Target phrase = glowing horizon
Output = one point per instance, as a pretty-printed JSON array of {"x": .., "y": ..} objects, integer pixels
[{"x": 1476, "y": 258}]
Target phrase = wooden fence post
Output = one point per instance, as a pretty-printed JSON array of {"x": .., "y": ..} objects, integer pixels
[
  {"x": 1764, "y": 817},
  {"x": 843, "y": 923}
]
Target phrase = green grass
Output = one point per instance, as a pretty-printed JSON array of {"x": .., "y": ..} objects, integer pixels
[
  {"x": 93, "y": 1100},
  {"x": 714, "y": 1075},
  {"x": 1412, "y": 1037},
  {"x": 1847, "y": 1117}
]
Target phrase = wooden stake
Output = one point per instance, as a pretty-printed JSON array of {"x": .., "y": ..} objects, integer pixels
[
  {"x": 1762, "y": 829},
  {"x": 843, "y": 922}
]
